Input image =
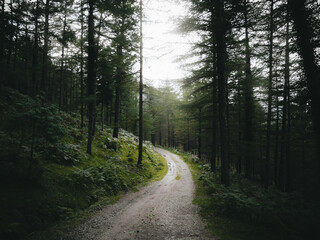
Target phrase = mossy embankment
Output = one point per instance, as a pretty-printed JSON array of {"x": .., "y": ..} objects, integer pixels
[
  {"x": 245, "y": 211},
  {"x": 48, "y": 181}
]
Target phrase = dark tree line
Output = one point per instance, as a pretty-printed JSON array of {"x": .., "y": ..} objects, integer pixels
[
  {"x": 250, "y": 103},
  {"x": 76, "y": 54},
  {"x": 258, "y": 105}
]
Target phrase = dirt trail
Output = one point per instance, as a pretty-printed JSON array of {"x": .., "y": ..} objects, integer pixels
[{"x": 161, "y": 210}]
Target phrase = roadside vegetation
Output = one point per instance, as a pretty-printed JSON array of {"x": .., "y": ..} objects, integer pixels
[
  {"x": 245, "y": 211},
  {"x": 248, "y": 104},
  {"x": 46, "y": 174}
]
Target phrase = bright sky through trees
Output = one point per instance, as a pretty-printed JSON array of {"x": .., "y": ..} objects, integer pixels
[{"x": 162, "y": 44}]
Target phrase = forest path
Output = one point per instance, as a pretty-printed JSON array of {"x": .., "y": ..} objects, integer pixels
[{"x": 161, "y": 210}]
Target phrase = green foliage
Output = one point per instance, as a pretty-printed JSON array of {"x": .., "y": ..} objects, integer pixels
[
  {"x": 246, "y": 211},
  {"x": 65, "y": 180},
  {"x": 30, "y": 130},
  {"x": 65, "y": 153}
]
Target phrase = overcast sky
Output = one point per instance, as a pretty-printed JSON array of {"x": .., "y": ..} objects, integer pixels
[{"x": 162, "y": 45}]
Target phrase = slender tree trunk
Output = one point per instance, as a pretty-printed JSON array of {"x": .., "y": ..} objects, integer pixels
[
  {"x": 16, "y": 45},
  {"x": 71, "y": 88},
  {"x": 283, "y": 154},
  {"x": 214, "y": 127},
  {"x": 45, "y": 48},
  {"x": 248, "y": 100},
  {"x": 61, "y": 78},
  {"x": 119, "y": 76},
  {"x": 168, "y": 123},
  {"x": 117, "y": 112},
  {"x": 199, "y": 134},
  {"x": 32, "y": 160},
  {"x": 286, "y": 183},
  {"x": 91, "y": 80},
  {"x": 173, "y": 137},
  {"x": 35, "y": 54},
  {"x": 276, "y": 144},
  {"x": 10, "y": 42},
  {"x": 82, "y": 67},
  {"x": 268, "y": 143},
  {"x": 102, "y": 115},
  {"x": 214, "y": 102},
  {"x": 188, "y": 136},
  {"x": 2, "y": 32},
  {"x": 61, "y": 102},
  {"x": 239, "y": 161},
  {"x": 141, "y": 90},
  {"x": 16, "y": 83},
  {"x": 289, "y": 186},
  {"x": 221, "y": 58},
  {"x": 28, "y": 87}
]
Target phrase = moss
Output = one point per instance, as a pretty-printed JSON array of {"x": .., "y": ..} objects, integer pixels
[
  {"x": 244, "y": 211},
  {"x": 99, "y": 180},
  {"x": 69, "y": 184}
]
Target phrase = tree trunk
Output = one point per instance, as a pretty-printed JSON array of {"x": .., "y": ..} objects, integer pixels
[
  {"x": 102, "y": 115},
  {"x": 199, "y": 134},
  {"x": 221, "y": 58},
  {"x": 276, "y": 144},
  {"x": 71, "y": 88},
  {"x": 117, "y": 112},
  {"x": 61, "y": 102},
  {"x": 239, "y": 161},
  {"x": 91, "y": 81},
  {"x": 248, "y": 100},
  {"x": 265, "y": 182},
  {"x": 141, "y": 90},
  {"x": 214, "y": 101},
  {"x": 312, "y": 71},
  {"x": 214, "y": 127},
  {"x": 286, "y": 183},
  {"x": 16, "y": 46},
  {"x": 2, "y": 41},
  {"x": 168, "y": 132},
  {"x": 10, "y": 42},
  {"x": 82, "y": 67},
  {"x": 45, "y": 48},
  {"x": 32, "y": 146},
  {"x": 35, "y": 54}
]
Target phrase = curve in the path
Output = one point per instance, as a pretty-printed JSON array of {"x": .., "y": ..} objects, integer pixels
[{"x": 161, "y": 210}]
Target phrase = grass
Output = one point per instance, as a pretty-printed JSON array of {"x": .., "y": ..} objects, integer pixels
[
  {"x": 66, "y": 185},
  {"x": 244, "y": 211},
  {"x": 154, "y": 169},
  {"x": 57, "y": 229}
]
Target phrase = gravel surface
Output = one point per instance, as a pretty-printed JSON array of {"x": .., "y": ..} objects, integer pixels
[{"x": 161, "y": 210}]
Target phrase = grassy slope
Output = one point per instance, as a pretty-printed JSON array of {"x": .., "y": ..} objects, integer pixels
[
  {"x": 244, "y": 211},
  {"x": 66, "y": 185},
  {"x": 124, "y": 175}
]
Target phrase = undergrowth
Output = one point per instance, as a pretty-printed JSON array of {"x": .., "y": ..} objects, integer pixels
[
  {"x": 245, "y": 211},
  {"x": 43, "y": 194}
]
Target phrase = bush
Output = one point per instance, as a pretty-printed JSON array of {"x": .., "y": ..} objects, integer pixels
[{"x": 64, "y": 153}]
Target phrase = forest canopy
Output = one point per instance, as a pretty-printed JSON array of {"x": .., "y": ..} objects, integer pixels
[{"x": 248, "y": 107}]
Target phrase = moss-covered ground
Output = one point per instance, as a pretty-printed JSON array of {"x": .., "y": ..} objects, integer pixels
[
  {"x": 64, "y": 185},
  {"x": 245, "y": 211}
]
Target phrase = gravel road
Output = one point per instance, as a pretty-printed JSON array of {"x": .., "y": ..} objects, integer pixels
[{"x": 161, "y": 210}]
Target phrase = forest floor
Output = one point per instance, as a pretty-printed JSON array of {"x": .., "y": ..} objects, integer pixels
[{"x": 161, "y": 210}]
